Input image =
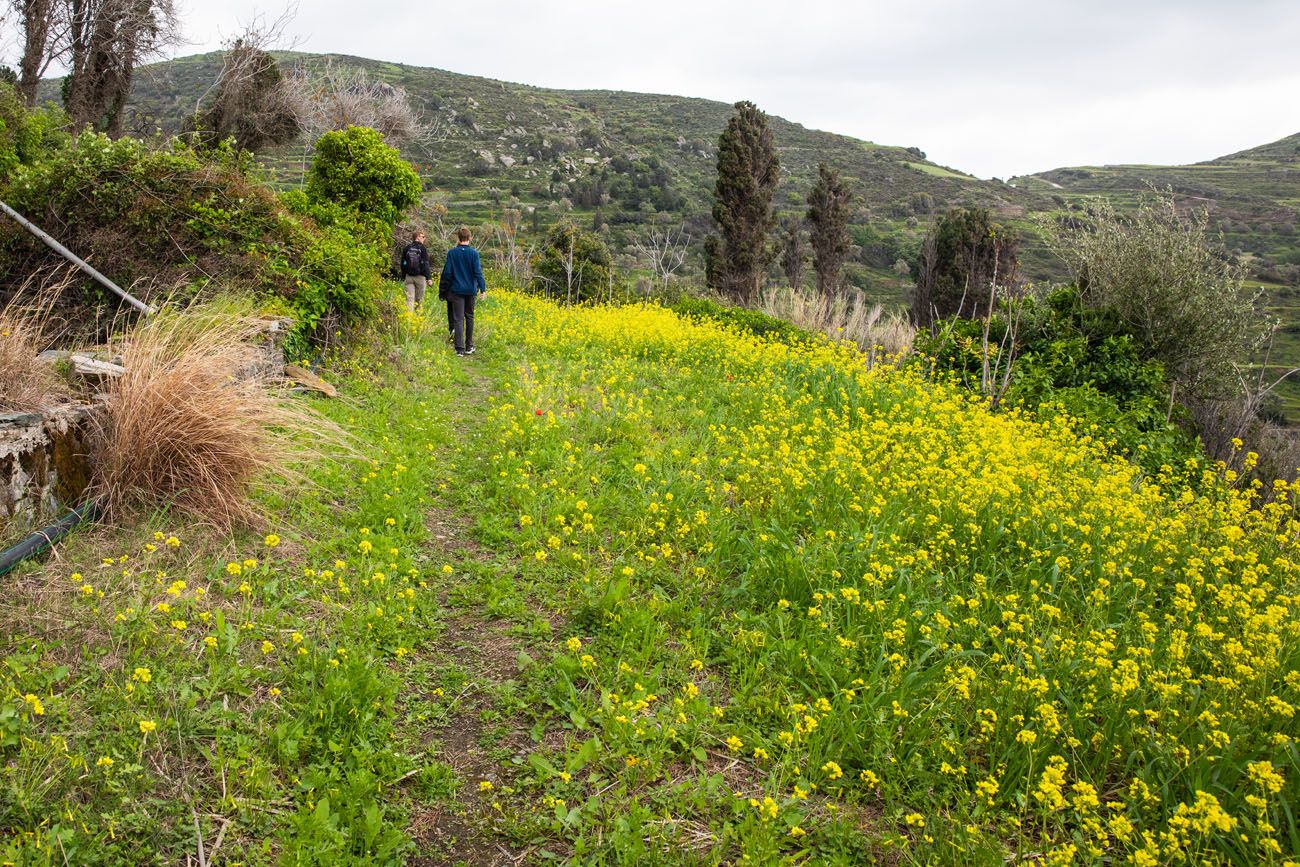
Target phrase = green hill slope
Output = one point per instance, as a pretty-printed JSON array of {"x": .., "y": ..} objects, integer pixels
[
  {"x": 634, "y": 156},
  {"x": 1253, "y": 197},
  {"x": 631, "y": 156}
]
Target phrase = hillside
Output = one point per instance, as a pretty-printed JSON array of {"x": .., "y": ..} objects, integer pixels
[
  {"x": 1252, "y": 196},
  {"x": 626, "y": 161},
  {"x": 629, "y": 156}
]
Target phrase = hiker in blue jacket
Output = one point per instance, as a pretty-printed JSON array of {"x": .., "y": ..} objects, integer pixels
[{"x": 464, "y": 273}]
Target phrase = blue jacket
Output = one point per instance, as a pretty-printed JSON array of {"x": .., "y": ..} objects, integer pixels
[{"x": 464, "y": 270}]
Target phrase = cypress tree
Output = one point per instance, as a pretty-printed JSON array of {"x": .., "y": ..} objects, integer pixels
[
  {"x": 828, "y": 217},
  {"x": 748, "y": 172},
  {"x": 792, "y": 251}
]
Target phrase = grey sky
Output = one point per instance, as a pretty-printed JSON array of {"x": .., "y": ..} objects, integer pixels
[{"x": 995, "y": 87}]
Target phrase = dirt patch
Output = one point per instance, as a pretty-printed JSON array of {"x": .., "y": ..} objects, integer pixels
[
  {"x": 451, "y": 532},
  {"x": 442, "y": 837},
  {"x": 482, "y": 646}
]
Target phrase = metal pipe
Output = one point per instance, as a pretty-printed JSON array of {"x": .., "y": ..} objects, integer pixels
[
  {"x": 42, "y": 539},
  {"x": 78, "y": 261}
]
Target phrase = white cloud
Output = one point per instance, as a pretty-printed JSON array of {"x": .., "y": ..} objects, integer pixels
[{"x": 994, "y": 88}]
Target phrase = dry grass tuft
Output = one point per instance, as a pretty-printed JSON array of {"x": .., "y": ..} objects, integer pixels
[
  {"x": 28, "y": 385},
  {"x": 181, "y": 431},
  {"x": 847, "y": 316}
]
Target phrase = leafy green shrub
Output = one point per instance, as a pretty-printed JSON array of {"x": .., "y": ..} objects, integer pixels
[
  {"x": 355, "y": 169},
  {"x": 25, "y": 135},
  {"x": 1171, "y": 284},
  {"x": 1081, "y": 361},
  {"x": 753, "y": 321},
  {"x": 172, "y": 222},
  {"x": 573, "y": 266}
]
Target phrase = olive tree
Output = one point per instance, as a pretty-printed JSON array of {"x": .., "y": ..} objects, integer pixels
[{"x": 1173, "y": 286}]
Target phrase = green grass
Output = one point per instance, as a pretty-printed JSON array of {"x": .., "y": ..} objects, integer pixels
[
  {"x": 937, "y": 171},
  {"x": 621, "y": 588}
]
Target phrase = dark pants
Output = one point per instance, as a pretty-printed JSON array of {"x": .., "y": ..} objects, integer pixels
[
  {"x": 462, "y": 320},
  {"x": 451, "y": 320}
]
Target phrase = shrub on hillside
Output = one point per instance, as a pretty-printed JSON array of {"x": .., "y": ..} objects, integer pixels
[
  {"x": 574, "y": 266},
  {"x": 963, "y": 256},
  {"x": 354, "y": 169},
  {"x": 1078, "y": 360},
  {"x": 168, "y": 221},
  {"x": 1174, "y": 289},
  {"x": 25, "y": 136}
]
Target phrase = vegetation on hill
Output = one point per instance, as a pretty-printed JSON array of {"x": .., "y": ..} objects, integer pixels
[
  {"x": 634, "y": 159},
  {"x": 629, "y": 164},
  {"x": 1253, "y": 198},
  {"x": 182, "y": 223}
]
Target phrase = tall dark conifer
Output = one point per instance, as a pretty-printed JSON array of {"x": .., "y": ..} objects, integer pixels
[
  {"x": 828, "y": 217},
  {"x": 748, "y": 171},
  {"x": 792, "y": 251}
]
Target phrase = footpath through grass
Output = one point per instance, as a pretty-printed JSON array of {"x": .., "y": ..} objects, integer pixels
[{"x": 622, "y": 588}]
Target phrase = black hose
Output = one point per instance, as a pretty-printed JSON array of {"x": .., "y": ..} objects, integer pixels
[{"x": 42, "y": 539}]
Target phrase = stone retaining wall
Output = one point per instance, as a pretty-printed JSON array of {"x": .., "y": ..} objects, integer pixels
[{"x": 44, "y": 462}]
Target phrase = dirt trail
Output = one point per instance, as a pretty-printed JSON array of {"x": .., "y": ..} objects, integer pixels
[{"x": 474, "y": 737}]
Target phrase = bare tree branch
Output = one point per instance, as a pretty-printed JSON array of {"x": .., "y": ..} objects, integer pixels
[
  {"x": 251, "y": 101},
  {"x": 664, "y": 250}
]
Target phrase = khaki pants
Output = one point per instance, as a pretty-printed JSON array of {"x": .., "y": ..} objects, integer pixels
[{"x": 415, "y": 286}]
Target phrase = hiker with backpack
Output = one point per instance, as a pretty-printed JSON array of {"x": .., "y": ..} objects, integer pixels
[
  {"x": 415, "y": 271},
  {"x": 463, "y": 271}
]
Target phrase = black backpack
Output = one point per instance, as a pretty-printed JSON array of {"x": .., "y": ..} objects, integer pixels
[{"x": 412, "y": 260}]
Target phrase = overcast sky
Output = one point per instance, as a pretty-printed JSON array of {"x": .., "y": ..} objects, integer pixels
[{"x": 995, "y": 88}]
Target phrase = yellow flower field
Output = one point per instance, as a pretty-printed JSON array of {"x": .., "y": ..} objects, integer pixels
[
  {"x": 968, "y": 634},
  {"x": 628, "y": 588}
]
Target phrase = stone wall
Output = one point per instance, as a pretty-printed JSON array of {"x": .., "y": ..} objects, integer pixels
[{"x": 44, "y": 462}]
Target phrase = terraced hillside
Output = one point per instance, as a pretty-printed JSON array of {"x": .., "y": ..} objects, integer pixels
[
  {"x": 1254, "y": 197},
  {"x": 632, "y": 157}
]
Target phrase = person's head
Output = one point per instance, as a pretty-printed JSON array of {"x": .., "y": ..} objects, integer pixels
[
  {"x": 462, "y": 234},
  {"x": 418, "y": 237}
]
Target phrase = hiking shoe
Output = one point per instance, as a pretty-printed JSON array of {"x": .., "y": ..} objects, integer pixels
[
  {"x": 469, "y": 351},
  {"x": 461, "y": 353}
]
